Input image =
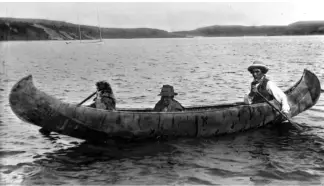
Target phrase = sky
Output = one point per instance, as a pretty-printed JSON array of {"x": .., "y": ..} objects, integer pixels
[{"x": 170, "y": 16}]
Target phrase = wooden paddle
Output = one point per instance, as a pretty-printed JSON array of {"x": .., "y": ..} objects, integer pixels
[
  {"x": 296, "y": 125},
  {"x": 86, "y": 99}
]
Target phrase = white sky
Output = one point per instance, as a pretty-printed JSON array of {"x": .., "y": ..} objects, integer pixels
[{"x": 170, "y": 16}]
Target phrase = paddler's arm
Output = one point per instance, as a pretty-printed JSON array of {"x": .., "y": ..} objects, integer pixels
[
  {"x": 249, "y": 96},
  {"x": 247, "y": 99},
  {"x": 279, "y": 95}
]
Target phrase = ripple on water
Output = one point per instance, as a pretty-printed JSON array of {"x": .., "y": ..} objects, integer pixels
[
  {"x": 296, "y": 175},
  {"x": 10, "y": 153},
  {"x": 201, "y": 75}
]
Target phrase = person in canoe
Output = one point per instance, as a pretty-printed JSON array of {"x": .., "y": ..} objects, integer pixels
[
  {"x": 262, "y": 85},
  {"x": 105, "y": 98},
  {"x": 167, "y": 103}
]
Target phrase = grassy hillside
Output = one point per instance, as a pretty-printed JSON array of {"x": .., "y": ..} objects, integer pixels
[
  {"x": 306, "y": 28},
  {"x": 298, "y": 28},
  {"x": 39, "y": 29}
]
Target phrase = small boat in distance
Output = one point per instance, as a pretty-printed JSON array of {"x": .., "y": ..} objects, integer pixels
[
  {"x": 91, "y": 41},
  {"x": 38, "y": 108}
]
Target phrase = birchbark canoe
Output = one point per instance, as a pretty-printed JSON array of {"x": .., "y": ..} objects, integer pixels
[{"x": 38, "y": 108}]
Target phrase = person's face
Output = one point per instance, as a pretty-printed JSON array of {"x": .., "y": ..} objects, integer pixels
[
  {"x": 166, "y": 100},
  {"x": 257, "y": 74},
  {"x": 100, "y": 87}
]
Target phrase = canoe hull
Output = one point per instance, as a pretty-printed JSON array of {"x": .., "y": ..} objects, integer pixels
[{"x": 39, "y": 108}]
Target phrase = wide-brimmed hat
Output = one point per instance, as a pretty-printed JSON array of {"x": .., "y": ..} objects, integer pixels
[
  {"x": 167, "y": 90},
  {"x": 259, "y": 65}
]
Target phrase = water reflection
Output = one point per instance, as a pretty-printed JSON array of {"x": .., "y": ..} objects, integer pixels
[{"x": 261, "y": 156}]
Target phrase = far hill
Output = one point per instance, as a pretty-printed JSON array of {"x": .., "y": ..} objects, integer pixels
[
  {"x": 297, "y": 28},
  {"x": 306, "y": 27},
  {"x": 40, "y": 29}
]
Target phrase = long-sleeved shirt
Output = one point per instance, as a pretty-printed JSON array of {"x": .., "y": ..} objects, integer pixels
[{"x": 277, "y": 93}]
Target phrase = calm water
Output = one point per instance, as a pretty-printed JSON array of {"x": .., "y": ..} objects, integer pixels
[{"x": 203, "y": 71}]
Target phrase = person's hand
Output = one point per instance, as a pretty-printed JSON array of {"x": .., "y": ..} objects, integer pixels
[
  {"x": 254, "y": 89},
  {"x": 285, "y": 109}
]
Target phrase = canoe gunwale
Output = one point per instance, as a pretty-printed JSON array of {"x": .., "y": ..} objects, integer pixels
[
  {"x": 206, "y": 108},
  {"x": 188, "y": 109}
]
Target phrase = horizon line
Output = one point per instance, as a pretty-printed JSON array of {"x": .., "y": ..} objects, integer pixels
[{"x": 243, "y": 25}]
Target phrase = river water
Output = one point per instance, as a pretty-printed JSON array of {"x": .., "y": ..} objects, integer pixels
[{"x": 203, "y": 71}]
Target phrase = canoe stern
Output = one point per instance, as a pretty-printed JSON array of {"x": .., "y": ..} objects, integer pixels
[{"x": 305, "y": 93}]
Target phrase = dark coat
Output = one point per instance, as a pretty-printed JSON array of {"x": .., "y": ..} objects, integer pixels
[
  {"x": 262, "y": 89},
  {"x": 173, "y": 106}
]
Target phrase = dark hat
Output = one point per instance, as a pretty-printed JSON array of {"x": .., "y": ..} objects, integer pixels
[
  {"x": 167, "y": 90},
  {"x": 259, "y": 65}
]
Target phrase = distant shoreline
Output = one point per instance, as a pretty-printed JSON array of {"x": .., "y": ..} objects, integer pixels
[
  {"x": 16, "y": 29},
  {"x": 85, "y": 41}
]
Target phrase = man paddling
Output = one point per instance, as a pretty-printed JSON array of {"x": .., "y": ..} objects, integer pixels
[{"x": 262, "y": 85}]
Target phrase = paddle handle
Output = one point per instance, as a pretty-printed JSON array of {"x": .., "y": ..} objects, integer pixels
[
  {"x": 265, "y": 99},
  {"x": 296, "y": 125},
  {"x": 86, "y": 99}
]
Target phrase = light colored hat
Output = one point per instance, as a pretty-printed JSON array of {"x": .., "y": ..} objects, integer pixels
[
  {"x": 167, "y": 90},
  {"x": 259, "y": 65}
]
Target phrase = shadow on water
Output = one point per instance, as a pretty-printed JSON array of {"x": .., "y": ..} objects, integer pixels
[
  {"x": 262, "y": 156},
  {"x": 289, "y": 156},
  {"x": 86, "y": 153}
]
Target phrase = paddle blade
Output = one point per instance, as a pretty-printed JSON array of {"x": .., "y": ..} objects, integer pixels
[{"x": 295, "y": 125}]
